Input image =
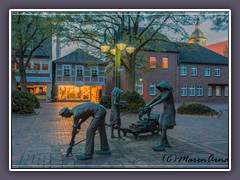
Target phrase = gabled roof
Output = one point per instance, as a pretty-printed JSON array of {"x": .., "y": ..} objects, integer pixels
[
  {"x": 188, "y": 53},
  {"x": 218, "y": 47},
  {"x": 79, "y": 57},
  {"x": 161, "y": 46},
  {"x": 194, "y": 53}
]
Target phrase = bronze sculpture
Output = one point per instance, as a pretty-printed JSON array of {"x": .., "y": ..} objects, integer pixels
[
  {"x": 167, "y": 120},
  {"x": 116, "y": 105},
  {"x": 81, "y": 113}
]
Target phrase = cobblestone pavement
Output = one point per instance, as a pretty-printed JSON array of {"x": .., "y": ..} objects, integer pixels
[{"x": 41, "y": 141}]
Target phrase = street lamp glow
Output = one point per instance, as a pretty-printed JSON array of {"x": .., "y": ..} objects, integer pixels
[
  {"x": 113, "y": 51},
  {"x": 121, "y": 45},
  {"x": 104, "y": 47},
  {"x": 130, "y": 48}
]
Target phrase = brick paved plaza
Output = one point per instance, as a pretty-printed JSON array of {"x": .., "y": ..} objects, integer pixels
[{"x": 41, "y": 141}]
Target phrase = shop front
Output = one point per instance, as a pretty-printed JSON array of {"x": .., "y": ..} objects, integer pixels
[{"x": 82, "y": 93}]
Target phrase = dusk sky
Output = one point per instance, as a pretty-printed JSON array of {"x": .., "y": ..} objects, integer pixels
[{"x": 212, "y": 36}]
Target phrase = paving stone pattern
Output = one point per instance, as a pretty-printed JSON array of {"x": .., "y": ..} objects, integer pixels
[{"x": 41, "y": 141}]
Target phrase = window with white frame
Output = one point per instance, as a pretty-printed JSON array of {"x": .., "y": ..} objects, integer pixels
[
  {"x": 45, "y": 66},
  {"x": 199, "y": 90},
  {"x": 191, "y": 90},
  {"x": 183, "y": 70},
  {"x": 218, "y": 90},
  {"x": 37, "y": 65},
  {"x": 194, "y": 71},
  {"x": 140, "y": 88},
  {"x": 217, "y": 71},
  {"x": 94, "y": 70},
  {"x": 66, "y": 70},
  {"x": 225, "y": 90},
  {"x": 79, "y": 70},
  {"x": 152, "y": 89},
  {"x": 209, "y": 90},
  {"x": 165, "y": 62},
  {"x": 183, "y": 90},
  {"x": 207, "y": 71}
]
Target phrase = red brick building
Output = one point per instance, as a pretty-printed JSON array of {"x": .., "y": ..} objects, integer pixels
[
  {"x": 196, "y": 73},
  {"x": 220, "y": 48}
]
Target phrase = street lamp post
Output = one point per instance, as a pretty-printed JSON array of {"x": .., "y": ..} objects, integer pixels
[{"x": 116, "y": 49}]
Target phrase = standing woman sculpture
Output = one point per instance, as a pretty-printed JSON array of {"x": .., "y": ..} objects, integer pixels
[
  {"x": 115, "y": 119},
  {"x": 167, "y": 120}
]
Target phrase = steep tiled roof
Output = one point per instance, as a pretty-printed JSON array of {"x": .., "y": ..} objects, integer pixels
[
  {"x": 189, "y": 53},
  {"x": 194, "y": 53},
  {"x": 79, "y": 57},
  {"x": 218, "y": 47},
  {"x": 161, "y": 46}
]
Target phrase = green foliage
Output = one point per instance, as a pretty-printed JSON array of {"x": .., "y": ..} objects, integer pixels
[
  {"x": 134, "y": 101},
  {"x": 23, "y": 102},
  {"x": 106, "y": 101},
  {"x": 196, "y": 109}
]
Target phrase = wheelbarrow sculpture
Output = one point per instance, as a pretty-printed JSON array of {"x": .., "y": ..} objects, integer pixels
[{"x": 144, "y": 125}]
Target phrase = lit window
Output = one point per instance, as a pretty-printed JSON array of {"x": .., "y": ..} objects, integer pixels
[
  {"x": 183, "y": 90},
  {"x": 183, "y": 70},
  {"x": 165, "y": 62},
  {"x": 152, "y": 89},
  {"x": 79, "y": 70},
  {"x": 200, "y": 91},
  {"x": 218, "y": 90},
  {"x": 225, "y": 90},
  {"x": 45, "y": 66},
  {"x": 191, "y": 91},
  {"x": 194, "y": 71},
  {"x": 140, "y": 88},
  {"x": 66, "y": 70},
  {"x": 94, "y": 70},
  {"x": 139, "y": 62},
  {"x": 209, "y": 90},
  {"x": 153, "y": 61},
  {"x": 217, "y": 71},
  {"x": 36, "y": 66},
  {"x": 207, "y": 71}
]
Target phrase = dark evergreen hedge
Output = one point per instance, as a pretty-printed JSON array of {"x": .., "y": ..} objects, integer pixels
[
  {"x": 106, "y": 101},
  {"x": 23, "y": 102},
  {"x": 134, "y": 101},
  {"x": 196, "y": 109}
]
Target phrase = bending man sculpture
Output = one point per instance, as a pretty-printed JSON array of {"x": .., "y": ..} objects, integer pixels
[
  {"x": 81, "y": 113},
  {"x": 167, "y": 120}
]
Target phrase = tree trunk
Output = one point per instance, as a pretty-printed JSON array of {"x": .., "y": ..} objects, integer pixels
[
  {"x": 23, "y": 78},
  {"x": 131, "y": 86},
  {"x": 14, "y": 82}
]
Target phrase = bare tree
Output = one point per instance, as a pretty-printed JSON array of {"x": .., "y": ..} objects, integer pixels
[
  {"x": 31, "y": 32},
  {"x": 87, "y": 28}
]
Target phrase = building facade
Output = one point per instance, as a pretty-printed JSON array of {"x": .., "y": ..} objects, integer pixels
[
  {"x": 39, "y": 72},
  {"x": 78, "y": 77},
  {"x": 195, "y": 73}
]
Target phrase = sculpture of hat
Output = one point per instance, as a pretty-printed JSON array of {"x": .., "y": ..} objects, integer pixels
[
  {"x": 63, "y": 110},
  {"x": 116, "y": 91},
  {"x": 164, "y": 84}
]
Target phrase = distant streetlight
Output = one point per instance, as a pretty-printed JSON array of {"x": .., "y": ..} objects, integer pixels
[{"x": 116, "y": 49}]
